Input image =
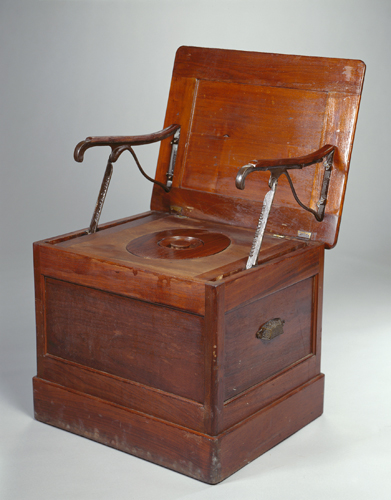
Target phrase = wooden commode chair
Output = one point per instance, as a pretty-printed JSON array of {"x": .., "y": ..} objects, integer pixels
[{"x": 190, "y": 335}]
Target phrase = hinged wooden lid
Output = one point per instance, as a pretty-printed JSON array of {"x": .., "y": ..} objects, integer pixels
[{"x": 234, "y": 107}]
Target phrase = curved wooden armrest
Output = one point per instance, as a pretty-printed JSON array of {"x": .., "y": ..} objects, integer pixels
[
  {"x": 115, "y": 141},
  {"x": 283, "y": 164}
]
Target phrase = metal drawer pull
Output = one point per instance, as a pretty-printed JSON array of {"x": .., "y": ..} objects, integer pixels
[{"x": 270, "y": 330}]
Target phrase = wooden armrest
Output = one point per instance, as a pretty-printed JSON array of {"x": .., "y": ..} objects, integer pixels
[
  {"x": 115, "y": 141},
  {"x": 283, "y": 164}
]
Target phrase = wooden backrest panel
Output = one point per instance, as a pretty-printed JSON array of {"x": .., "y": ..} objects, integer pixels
[
  {"x": 234, "y": 107},
  {"x": 225, "y": 132}
]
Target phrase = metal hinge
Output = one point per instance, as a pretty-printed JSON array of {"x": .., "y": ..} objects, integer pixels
[
  {"x": 174, "y": 151},
  {"x": 306, "y": 235}
]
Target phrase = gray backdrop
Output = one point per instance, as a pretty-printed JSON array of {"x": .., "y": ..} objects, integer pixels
[{"x": 70, "y": 69}]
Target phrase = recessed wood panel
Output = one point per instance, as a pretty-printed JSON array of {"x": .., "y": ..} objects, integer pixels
[
  {"x": 235, "y": 123},
  {"x": 248, "y": 359},
  {"x": 146, "y": 343}
]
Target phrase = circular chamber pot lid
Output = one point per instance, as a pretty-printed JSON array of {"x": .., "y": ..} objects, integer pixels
[{"x": 178, "y": 244}]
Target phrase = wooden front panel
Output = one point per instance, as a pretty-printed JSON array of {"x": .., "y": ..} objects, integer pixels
[
  {"x": 249, "y": 360},
  {"x": 149, "y": 344}
]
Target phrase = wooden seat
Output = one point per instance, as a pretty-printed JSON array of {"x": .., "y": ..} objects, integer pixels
[{"x": 152, "y": 335}]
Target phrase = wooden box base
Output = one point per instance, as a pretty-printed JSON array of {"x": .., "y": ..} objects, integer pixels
[
  {"x": 163, "y": 359},
  {"x": 206, "y": 458}
]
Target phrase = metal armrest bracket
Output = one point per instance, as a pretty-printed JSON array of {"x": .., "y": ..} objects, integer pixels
[
  {"x": 276, "y": 169},
  {"x": 118, "y": 145}
]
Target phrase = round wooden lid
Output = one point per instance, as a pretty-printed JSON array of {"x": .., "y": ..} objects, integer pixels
[{"x": 178, "y": 244}]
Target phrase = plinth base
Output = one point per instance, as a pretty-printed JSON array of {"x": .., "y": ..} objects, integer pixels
[{"x": 207, "y": 458}]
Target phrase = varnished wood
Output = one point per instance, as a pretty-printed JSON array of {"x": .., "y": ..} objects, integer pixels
[
  {"x": 128, "y": 280},
  {"x": 279, "y": 70},
  {"x": 264, "y": 393},
  {"x": 124, "y": 392},
  {"x": 228, "y": 104},
  {"x": 147, "y": 329},
  {"x": 229, "y": 210},
  {"x": 272, "y": 276},
  {"x": 300, "y": 162},
  {"x": 137, "y": 341},
  {"x": 280, "y": 248},
  {"x": 214, "y": 357},
  {"x": 206, "y": 458},
  {"x": 179, "y": 244},
  {"x": 248, "y": 359},
  {"x": 115, "y": 141},
  {"x": 258, "y": 433},
  {"x": 114, "y": 425},
  {"x": 232, "y": 244}
]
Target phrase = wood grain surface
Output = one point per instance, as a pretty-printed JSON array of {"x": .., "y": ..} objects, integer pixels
[
  {"x": 147, "y": 329},
  {"x": 234, "y": 107}
]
